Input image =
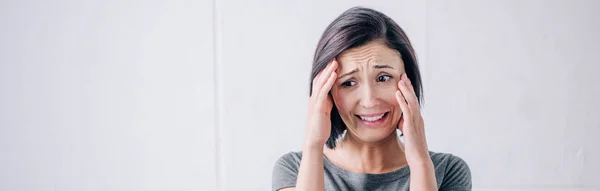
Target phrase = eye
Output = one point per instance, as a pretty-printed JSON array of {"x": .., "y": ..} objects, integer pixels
[
  {"x": 384, "y": 78},
  {"x": 348, "y": 84}
]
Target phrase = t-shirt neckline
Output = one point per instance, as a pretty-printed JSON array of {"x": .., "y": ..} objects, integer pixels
[{"x": 384, "y": 177}]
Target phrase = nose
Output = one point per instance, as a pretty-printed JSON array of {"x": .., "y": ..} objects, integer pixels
[{"x": 369, "y": 97}]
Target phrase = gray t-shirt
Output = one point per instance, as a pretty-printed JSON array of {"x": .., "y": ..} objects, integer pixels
[{"x": 451, "y": 173}]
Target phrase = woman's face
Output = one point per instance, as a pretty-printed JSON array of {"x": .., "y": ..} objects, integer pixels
[{"x": 364, "y": 92}]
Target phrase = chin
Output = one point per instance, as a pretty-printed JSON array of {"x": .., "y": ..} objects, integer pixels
[{"x": 373, "y": 135}]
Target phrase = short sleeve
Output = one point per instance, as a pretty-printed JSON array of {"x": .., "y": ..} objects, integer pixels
[
  {"x": 285, "y": 171},
  {"x": 457, "y": 176}
]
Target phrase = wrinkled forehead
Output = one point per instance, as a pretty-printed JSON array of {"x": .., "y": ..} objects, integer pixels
[{"x": 372, "y": 53}]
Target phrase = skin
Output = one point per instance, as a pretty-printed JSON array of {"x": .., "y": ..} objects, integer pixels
[{"x": 371, "y": 81}]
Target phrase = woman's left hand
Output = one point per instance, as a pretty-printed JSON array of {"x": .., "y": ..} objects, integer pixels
[{"x": 411, "y": 124}]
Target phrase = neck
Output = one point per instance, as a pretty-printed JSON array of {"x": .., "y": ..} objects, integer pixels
[{"x": 375, "y": 158}]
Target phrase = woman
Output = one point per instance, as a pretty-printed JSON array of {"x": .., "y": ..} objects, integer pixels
[{"x": 365, "y": 66}]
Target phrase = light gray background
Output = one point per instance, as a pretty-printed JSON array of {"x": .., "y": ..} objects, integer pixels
[{"x": 206, "y": 95}]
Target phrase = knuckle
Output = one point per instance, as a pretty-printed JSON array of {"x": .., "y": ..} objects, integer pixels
[{"x": 414, "y": 103}]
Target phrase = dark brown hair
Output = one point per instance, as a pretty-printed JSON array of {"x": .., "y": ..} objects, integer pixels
[{"x": 353, "y": 28}]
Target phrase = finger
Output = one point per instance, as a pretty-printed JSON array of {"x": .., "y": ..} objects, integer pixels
[
  {"x": 407, "y": 94},
  {"x": 324, "y": 75},
  {"x": 324, "y": 92},
  {"x": 401, "y": 124},
  {"x": 402, "y": 103},
  {"x": 314, "y": 83},
  {"x": 318, "y": 79},
  {"x": 409, "y": 84}
]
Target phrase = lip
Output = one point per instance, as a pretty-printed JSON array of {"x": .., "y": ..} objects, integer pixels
[
  {"x": 371, "y": 115},
  {"x": 373, "y": 123}
]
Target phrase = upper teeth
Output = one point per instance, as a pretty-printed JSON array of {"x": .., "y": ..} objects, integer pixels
[{"x": 374, "y": 118}]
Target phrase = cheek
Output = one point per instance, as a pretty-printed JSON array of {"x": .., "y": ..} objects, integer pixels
[
  {"x": 388, "y": 93},
  {"x": 345, "y": 102},
  {"x": 342, "y": 101},
  {"x": 389, "y": 97}
]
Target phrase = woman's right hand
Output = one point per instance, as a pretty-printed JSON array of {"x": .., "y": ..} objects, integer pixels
[{"x": 318, "y": 126}]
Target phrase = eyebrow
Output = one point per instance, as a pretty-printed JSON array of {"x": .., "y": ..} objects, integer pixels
[
  {"x": 349, "y": 73},
  {"x": 382, "y": 66},
  {"x": 356, "y": 70}
]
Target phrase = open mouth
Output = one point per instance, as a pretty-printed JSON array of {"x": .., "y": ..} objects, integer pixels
[{"x": 372, "y": 120}]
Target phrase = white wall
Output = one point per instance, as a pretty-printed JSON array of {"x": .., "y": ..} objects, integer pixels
[
  {"x": 206, "y": 95},
  {"x": 512, "y": 86},
  {"x": 106, "y": 95}
]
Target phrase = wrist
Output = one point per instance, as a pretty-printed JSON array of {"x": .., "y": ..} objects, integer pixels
[
  {"x": 424, "y": 164},
  {"x": 313, "y": 145}
]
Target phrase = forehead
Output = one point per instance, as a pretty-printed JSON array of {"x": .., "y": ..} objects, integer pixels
[{"x": 371, "y": 53}]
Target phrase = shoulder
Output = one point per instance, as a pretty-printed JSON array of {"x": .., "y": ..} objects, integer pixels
[
  {"x": 439, "y": 158},
  {"x": 451, "y": 171},
  {"x": 285, "y": 170},
  {"x": 290, "y": 159}
]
